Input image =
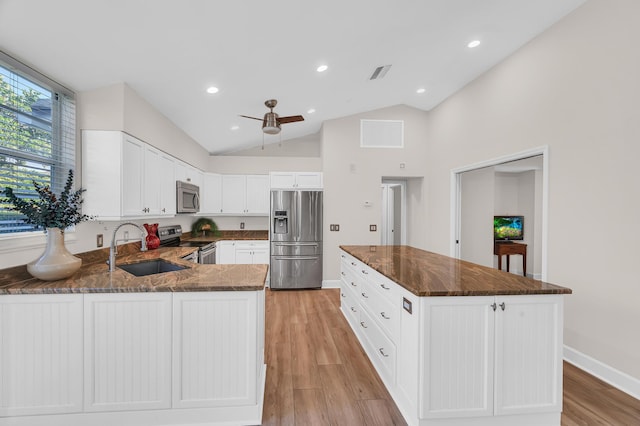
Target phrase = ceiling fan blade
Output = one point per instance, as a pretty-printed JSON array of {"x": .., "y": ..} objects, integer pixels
[
  {"x": 290, "y": 119},
  {"x": 253, "y": 118}
]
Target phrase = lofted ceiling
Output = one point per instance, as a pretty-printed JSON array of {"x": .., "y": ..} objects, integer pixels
[{"x": 170, "y": 52}]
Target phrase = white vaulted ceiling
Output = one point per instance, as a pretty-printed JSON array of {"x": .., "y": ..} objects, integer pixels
[{"x": 170, "y": 52}]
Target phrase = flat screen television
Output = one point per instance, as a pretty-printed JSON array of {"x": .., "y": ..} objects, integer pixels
[{"x": 507, "y": 228}]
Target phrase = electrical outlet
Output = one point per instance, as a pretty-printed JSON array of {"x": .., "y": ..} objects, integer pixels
[
  {"x": 337, "y": 227},
  {"x": 373, "y": 228},
  {"x": 126, "y": 235},
  {"x": 334, "y": 227},
  {"x": 241, "y": 225},
  {"x": 99, "y": 240}
]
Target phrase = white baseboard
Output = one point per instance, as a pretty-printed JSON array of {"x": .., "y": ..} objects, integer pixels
[
  {"x": 330, "y": 283},
  {"x": 604, "y": 372}
]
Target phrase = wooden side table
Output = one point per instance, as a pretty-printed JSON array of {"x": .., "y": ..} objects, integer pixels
[{"x": 506, "y": 249}]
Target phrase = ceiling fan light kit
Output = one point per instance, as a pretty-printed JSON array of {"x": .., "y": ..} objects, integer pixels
[{"x": 271, "y": 121}]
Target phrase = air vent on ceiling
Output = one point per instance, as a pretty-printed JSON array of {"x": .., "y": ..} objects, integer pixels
[{"x": 380, "y": 72}]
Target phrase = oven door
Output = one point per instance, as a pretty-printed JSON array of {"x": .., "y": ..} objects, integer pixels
[{"x": 207, "y": 256}]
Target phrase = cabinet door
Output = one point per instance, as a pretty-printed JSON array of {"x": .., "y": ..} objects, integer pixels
[
  {"x": 167, "y": 185},
  {"x": 233, "y": 194},
  {"x": 211, "y": 193},
  {"x": 459, "y": 357},
  {"x": 225, "y": 252},
  {"x": 244, "y": 256},
  {"x": 257, "y": 195},
  {"x": 282, "y": 180},
  {"x": 151, "y": 180},
  {"x": 261, "y": 255},
  {"x": 309, "y": 180},
  {"x": 215, "y": 363},
  {"x": 529, "y": 354},
  {"x": 127, "y": 351},
  {"x": 41, "y": 353},
  {"x": 132, "y": 176}
]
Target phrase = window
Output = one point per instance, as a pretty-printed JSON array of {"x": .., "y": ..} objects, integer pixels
[{"x": 37, "y": 136}]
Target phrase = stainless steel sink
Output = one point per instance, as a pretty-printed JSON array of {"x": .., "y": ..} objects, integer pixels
[{"x": 151, "y": 267}]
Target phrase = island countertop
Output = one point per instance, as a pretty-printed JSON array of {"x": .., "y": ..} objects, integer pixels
[
  {"x": 425, "y": 273},
  {"x": 94, "y": 276}
]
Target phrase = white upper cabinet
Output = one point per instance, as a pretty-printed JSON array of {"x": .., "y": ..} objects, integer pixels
[
  {"x": 296, "y": 180},
  {"x": 125, "y": 177},
  {"x": 245, "y": 195},
  {"x": 211, "y": 194}
]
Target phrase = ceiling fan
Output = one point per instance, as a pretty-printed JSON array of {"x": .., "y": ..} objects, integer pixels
[{"x": 271, "y": 121}]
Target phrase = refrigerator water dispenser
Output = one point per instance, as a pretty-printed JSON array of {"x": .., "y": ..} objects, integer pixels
[{"x": 280, "y": 222}]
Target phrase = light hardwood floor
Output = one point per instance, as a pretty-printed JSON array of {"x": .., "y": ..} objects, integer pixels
[{"x": 317, "y": 373}]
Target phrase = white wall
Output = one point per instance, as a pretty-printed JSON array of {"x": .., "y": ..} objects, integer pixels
[
  {"x": 573, "y": 88},
  {"x": 352, "y": 175}
]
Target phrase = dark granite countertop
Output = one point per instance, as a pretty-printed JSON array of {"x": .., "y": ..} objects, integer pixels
[
  {"x": 94, "y": 275},
  {"x": 429, "y": 274}
]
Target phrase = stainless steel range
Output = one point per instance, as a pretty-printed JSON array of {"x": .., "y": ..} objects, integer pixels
[{"x": 170, "y": 236}]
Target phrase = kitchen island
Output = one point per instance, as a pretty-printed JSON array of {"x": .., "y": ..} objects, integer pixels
[
  {"x": 182, "y": 347},
  {"x": 454, "y": 342}
]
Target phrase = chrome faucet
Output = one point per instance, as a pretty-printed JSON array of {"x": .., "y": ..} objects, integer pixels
[{"x": 113, "y": 250}]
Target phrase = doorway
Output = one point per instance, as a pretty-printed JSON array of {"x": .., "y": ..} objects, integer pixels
[
  {"x": 472, "y": 209},
  {"x": 393, "y": 223}
]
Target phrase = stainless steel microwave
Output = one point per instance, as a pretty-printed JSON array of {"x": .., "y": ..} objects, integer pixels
[{"x": 187, "y": 197}]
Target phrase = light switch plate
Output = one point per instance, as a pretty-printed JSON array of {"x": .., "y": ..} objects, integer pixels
[
  {"x": 99, "y": 240},
  {"x": 373, "y": 228}
]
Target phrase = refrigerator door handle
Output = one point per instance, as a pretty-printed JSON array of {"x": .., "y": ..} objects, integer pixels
[
  {"x": 296, "y": 244},
  {"x": 297, "y": 258}
]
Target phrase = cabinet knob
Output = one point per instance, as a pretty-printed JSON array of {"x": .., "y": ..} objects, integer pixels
[
  {"x": 163, "y": 210},
  {"x": 362, "y": 324},
  {"x": 494, "y": 306},
  {"x": 381, "y": 350},
  {"x": 502, "y": 306}
]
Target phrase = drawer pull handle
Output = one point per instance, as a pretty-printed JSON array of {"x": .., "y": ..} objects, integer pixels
[
  {"x": 362, "y": 324},
  {"x": 385, "y": 287},
  {"x": 343, "y": 256},
  {"x": 494, "y": 306},
  {"x": 342, "y": 294},
  {"x": 381, "y": 350},
  {"x": 502, "y": 305},
  {"x": 353, "y": 264},
  {"x": 365, "y": 295},
  {"x": 383, "y": 315},
  {"x": 353, "y": 309},
  {"x": 365, "y": 272},
  {"x": 353, "y": 284},
  {"x": 343, "y": 274}
]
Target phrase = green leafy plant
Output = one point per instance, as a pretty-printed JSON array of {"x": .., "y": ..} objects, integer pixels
[
  {"x": 50, "y": 211},
  {"x": 203, "y": 225}
]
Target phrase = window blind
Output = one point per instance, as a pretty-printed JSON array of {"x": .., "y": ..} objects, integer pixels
[{"x": 37, "y": 136}]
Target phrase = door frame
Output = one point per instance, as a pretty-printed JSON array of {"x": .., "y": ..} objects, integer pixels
[
  {"x": 403, "y": 206},
  {"x": 456, "y": 194}
]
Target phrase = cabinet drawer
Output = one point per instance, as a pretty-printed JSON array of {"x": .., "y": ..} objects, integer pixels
[
  {"x": 382, "y": 285},
  {"x": 352, "y": 281},
  {"x": 351, "y": 263},
  {"x": 385, "y": 313},
  {"x": 382, "y": 350},
  {"x": 349, "y": 305}
]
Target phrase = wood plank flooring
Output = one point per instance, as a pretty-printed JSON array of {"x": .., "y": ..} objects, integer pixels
[{"x": 317, "y": 373}]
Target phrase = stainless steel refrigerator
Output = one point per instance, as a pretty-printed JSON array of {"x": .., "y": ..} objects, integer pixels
[{"x": 296, "y": 239}]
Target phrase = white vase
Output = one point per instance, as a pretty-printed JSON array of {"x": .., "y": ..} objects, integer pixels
[{"x": 56, "y": 262}]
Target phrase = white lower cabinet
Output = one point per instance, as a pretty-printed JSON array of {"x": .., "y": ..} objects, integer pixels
[
  {"x": 142, "y": 358},
  {"x": 127, "y": 351},
  {"x": 216, "y": 363},
  {"x": 246, "y": 252},
  {"x": 40, "y": 354},
  {"x": 481, "y": 360}
]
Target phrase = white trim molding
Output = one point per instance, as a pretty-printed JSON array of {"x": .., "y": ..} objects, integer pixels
[
  {"x": 330, "y": 283},
  {"x": 604, "y": 372}
]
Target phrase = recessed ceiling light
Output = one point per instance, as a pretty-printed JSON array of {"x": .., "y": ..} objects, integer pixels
[
  {"x": 311, "y": 111},
  {"x": 322, "y": 68},
  {"x": 212, "y": 90},
  {"x": 421, "y": 90},
  {"x": 474, "y": 43},
  {"x": 235, "y": 127}
]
